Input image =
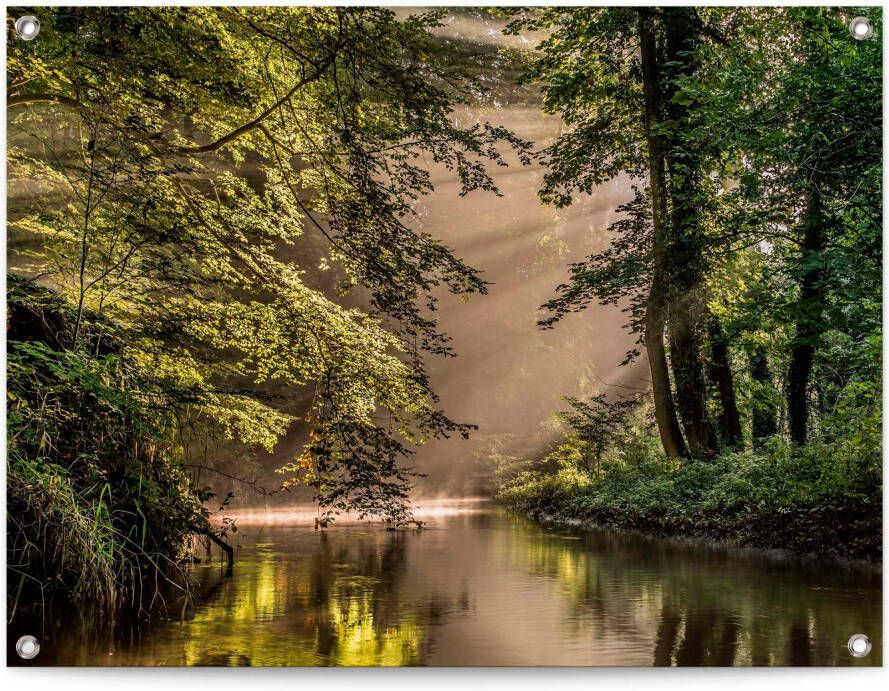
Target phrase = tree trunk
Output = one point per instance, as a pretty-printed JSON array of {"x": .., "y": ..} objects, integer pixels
[
  {"x": 691, "y": 386},
  {"x": 765, "y": 424},
  {"x": 809, "y": 311},
  {"x": 685, "y": 240},
  {"x": 656, "y": 307},
  {"x": 664, "y": 408},
  {"x": 721, "y": 373}
]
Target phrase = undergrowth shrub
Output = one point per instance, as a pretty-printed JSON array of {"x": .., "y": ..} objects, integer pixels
[
  {"x": 98, "y": 509},
  {"x": 823, "y": 498}
]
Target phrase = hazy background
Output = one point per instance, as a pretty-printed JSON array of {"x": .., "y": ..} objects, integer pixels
[{"x": 509, "y": 376}]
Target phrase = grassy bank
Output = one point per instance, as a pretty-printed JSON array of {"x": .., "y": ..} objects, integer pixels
[
  {"x": 824, "y": 499},
  {"x": 99, "y": 510}
]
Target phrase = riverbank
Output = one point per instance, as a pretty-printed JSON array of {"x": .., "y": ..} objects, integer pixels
[{"x": 801, "y": 502}]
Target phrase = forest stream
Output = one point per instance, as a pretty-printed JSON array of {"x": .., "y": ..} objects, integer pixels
[
  {"x": 619, "y": 264},
  {"x": 480, "y": 586}
]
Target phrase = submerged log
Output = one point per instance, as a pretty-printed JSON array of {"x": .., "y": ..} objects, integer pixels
[{"x": 224, "y": 546}]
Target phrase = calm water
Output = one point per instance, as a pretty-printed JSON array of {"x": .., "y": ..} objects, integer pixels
[{"x": 481, "y": 587}]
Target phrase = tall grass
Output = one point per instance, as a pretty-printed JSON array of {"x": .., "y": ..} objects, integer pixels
[{"x": 99, "y": 512}]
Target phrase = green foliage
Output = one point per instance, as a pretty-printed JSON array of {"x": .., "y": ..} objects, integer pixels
[
  {"x": 196, "y": 166},
  {"x": 178, "y": 169},
  {"x": 772, "y": 251},
  {"x": 824, "y": 498},
  {"x": 600, "y": 424},
  {"x": 96, "y": 499},
  {"x": 784, "y": 117},
  {"x": 590, "y": 78},
  {"x": 198, "y": 156}
]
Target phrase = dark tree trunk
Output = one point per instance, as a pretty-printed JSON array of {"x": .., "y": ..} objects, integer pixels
[
  {"x": 685, "y": 241},
  {"x": 721, "y": 373},
  {"x": 656, "y": 308},
  {"x": 797, "y": 392},
  {"x": 664, "y": 408},
  {"x": 809, "y": 311},
  {"x": 691, "y": 386},
  {"x": 765, "y": 422}
]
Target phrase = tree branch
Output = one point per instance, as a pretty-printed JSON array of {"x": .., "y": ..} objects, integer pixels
[
  {"x": 257, "y": 121},
  {"x": 27, "y": 99}
]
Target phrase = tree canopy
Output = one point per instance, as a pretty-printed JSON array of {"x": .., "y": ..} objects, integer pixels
[
  {"x": 139, "y": 121},
  {"x": 751, "y": 136}
]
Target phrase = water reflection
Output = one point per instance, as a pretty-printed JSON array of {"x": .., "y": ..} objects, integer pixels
[
  {"x": 492, "y": 589},
  {"x": 305, "y": 598},
  {"x": 705, "y": 606}
]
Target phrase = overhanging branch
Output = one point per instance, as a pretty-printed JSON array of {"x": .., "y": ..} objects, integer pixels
[
  {"x": 27, "y": 99},
  {"x": 257, "y": 121}
]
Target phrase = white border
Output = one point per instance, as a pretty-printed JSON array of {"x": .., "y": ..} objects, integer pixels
[{"x": 514, "y": 679}]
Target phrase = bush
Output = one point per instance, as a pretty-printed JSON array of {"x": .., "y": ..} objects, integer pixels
[
  {"x": 96, "y": 504},
  {"x": 824, "y": 498}
]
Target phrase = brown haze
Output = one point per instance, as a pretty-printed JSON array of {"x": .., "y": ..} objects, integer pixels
[{"x": 509, "y": 376}]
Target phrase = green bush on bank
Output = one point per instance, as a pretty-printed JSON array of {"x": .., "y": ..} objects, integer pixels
[
  {"x": 824, "y": 498},
  {"x": 98, "y": 509}
]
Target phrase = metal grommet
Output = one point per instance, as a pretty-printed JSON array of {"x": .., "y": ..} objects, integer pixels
[
  {"x": 860, "y": 645},
  {"x": 861, "y": 28},
  {"x": 27, "y": 27},
  {"x": 27, "y": 647}
]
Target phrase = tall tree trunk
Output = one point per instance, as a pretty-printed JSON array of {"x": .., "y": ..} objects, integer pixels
[
  {"x": 765, "y": 423},
  {"x": 656, "y": 307},
  {"x": 685, "y": 240},
  {"x": 721, "y": 373},
  {"x": 664, "y": 408},
  {"x": 809, "y": 311},
  {"x": 688, "y": 373}
]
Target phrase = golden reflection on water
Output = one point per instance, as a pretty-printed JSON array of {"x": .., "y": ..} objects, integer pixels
[
  {"x": 486, "y": 588},
  {"x": 330, "y": 606}
]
